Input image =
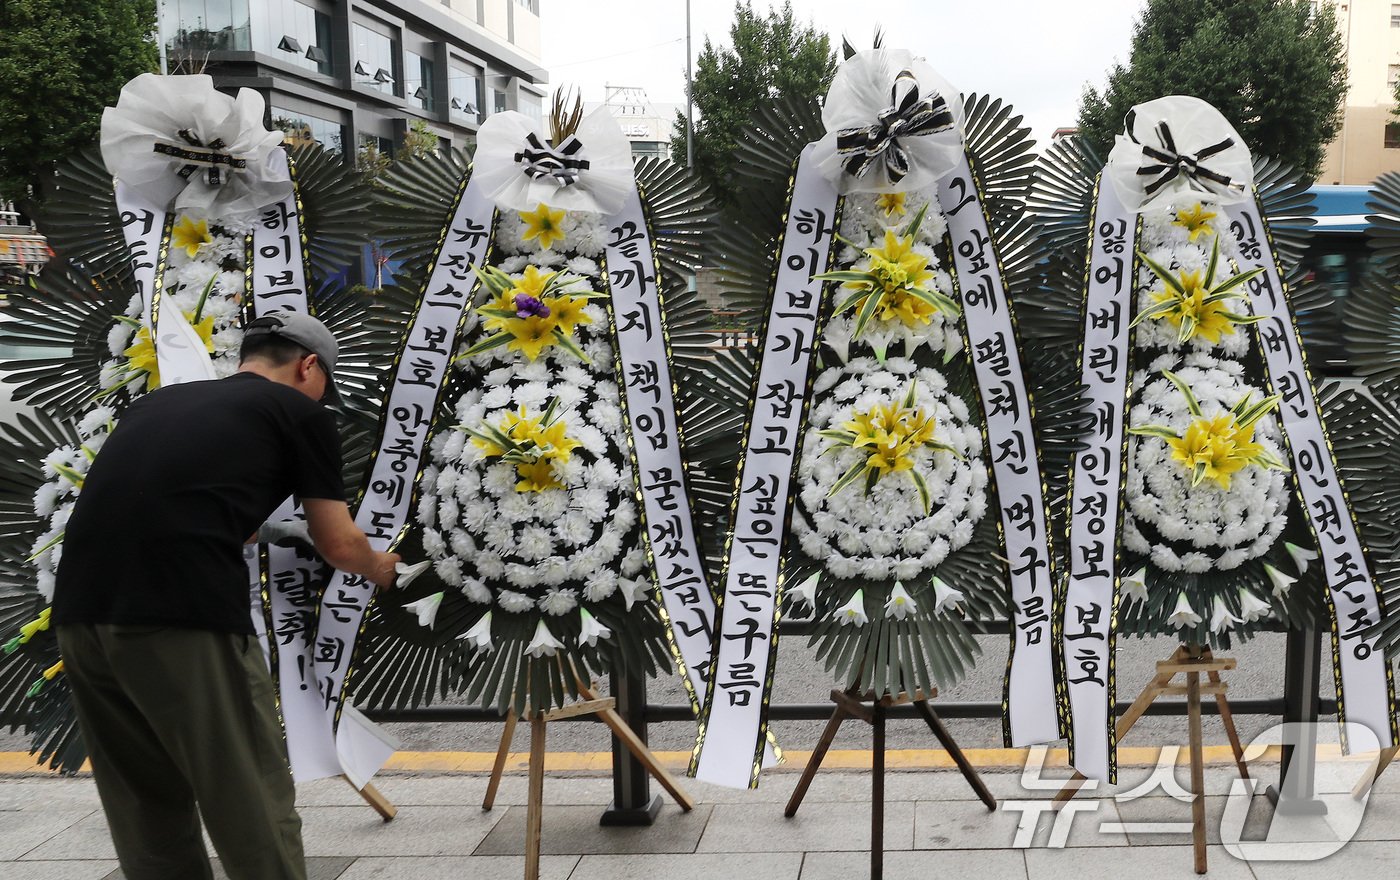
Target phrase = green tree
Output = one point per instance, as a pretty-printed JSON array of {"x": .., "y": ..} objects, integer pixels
[
  {"x": 418, "y": 141},
  {"x": 772, "y": 57},
  {"x": 1275, "y": 68},
  {"x": 61, "y": 63}
]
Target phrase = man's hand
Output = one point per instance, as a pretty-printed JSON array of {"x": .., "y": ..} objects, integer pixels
[{"x": 384, "y": 569}]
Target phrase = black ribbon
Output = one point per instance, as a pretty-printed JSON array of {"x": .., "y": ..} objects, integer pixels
[
  {"x": 1170, "y": 164},
  {"x": 908, "y": 116},
  {"x": 211, "y": 157},
  {"x": 560, "y": 163}
]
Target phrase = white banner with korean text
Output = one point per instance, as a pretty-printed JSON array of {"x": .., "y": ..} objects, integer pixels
[
  {"x": 1365, "y": 688},
  {"x": 1032, "y": 709},
  {"x": 732, "y": 733},
  {"x": 644, "y": 373},
  {"x": 417, "y": 380},
  {"x": 1096, "y": 489}
]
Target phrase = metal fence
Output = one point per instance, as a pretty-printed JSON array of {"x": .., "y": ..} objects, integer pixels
[{"x": 634, "y": 803}]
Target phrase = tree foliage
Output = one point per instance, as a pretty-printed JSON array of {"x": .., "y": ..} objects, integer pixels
[
  {"x": 771, "y": 57},
  {"x": 61, "y": 63},
  {"x": 1275, "y": 68}
]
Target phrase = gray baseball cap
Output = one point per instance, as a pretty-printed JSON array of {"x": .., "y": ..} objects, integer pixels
[{"x": 307, "y": 332}]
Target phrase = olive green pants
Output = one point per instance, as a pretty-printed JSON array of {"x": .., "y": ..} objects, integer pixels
[{"x": 182, "y": 723}]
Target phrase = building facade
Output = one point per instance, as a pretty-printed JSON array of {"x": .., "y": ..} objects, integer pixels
[
  {"x": 646, "y": 124},
  {"x": 23, "y": 251},
  {"x": 356, "y": 75},
  {"x": 1369, "y": 142}
]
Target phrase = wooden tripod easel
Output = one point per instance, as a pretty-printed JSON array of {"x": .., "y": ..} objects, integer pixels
[
  {"x": 376, "y": 799},
  {"x": 1192, "y": 661},
  {"x": 591, "y": 704},
  {"x": 852, "y": 703}
]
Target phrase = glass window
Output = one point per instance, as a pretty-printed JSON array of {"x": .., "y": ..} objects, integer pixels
[
  {"x": 205, "y": 25},
  {"x": 498, "y": 101},
  {"x": 374, "y": 61},
  {"x": 1392, "y": 136},
  {"x": 300, "y": 127},
  {"x": 418, "y": 79},
  {"x": 532, "y": 5},
  {"x": 292, "y": 33},
  {"x": 464, "y": 85},
  {"x": 1395, "y": 15},
  {"x": 1392, "y": 75},
  {"x": 531, "y": 105}
]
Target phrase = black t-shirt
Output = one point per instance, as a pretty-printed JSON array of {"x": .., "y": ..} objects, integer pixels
[{"x": 191, "y": 471}]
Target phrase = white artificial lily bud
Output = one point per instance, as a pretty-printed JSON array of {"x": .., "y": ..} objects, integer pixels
[
  {"x": 1281, "y": 581},
  {"x": 544, "y": 644},
  {"x": 1300, "y": 556},
  {"x": 426, "y": 609},
  {"x": 1135, "y": 585},
  {"x": 1221, "y": 619},
  {"x": 900, "y": 604},
  {"x": 1184, "y": 615},
  {"x": 408, "y": 573},
  {"x": 853, "y": 612},
  {"x": 1253, "y": 608},
  {"x": 592, "y": 630},
  {"x": 805, "y": 593},
  {"x": 479, "y": 636},
  {"x": 944, "y": 596}
]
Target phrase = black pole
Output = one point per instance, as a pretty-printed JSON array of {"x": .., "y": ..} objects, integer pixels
[
  {"x": 1302, "y": 680},
  {"x": 633, "y": 803}
]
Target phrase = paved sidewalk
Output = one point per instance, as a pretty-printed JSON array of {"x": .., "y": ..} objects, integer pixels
[{"x": 52, "y": 828}]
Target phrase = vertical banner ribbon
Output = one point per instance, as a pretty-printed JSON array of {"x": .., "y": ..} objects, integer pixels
[
  {"x": 1365, "y": 686},
  {"x": 732, "y": 732},
  {"x": 416, "y": 383},
  {"x": 649, "y": 398},
  {"x": 284, "y": 603},
  {"x": 1096, "y": 489},
  {"x": 1032, "y": 714}
]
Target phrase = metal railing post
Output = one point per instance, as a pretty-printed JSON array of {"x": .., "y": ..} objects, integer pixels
[
  {"x": 633, "y": 803},
  {"x": 1302, "y": 679}
]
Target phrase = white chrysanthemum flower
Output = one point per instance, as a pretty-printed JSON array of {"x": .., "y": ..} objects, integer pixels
[
  {"x": 515, "y": 603},
  {"x": 558, "y": 602},
  {"x": 1204, "y": 527}
]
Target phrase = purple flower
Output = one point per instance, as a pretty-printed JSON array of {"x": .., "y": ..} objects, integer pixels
[{"x": 527, "y": 306}]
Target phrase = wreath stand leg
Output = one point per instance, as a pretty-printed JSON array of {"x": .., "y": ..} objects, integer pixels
[
  {"x": 853, "y": 703},
  {"x": 1364, "y": 784},
  {"x": 591, "y": 704},
  {"x": 1192, "y": 661},
  {"x": 376, "y": 799}
]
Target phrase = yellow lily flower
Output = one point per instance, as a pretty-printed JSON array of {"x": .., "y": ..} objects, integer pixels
[
  {"x": 1220, "y": 444},
  {"x": 560, "y": 446},
  {"x": 141, "y": 354},
  {"x": 1195, "y": 221},
  {"x": 567, "y": 311},
  {"x": 1212, "y": 320},
  {"x": 891, "y": 204},
  {"x": 189, "y": 235},
  {"x": 537, "y": 477},
  {"x": 543, "y": 225},
  {"x": 897, "y": 268}
]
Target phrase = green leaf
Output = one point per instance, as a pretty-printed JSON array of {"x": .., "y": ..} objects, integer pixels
[
  {"x": 1155, "y": 431},
  {"x": 937, "y": 299},
  {"x": 846, "y": 275},
  {"x": 1192, "y": 404},
  {"x": 867, "y": 311},
  {"x": 852, "y": 300},
  {"x": 913, "y": 225},
  {"x": 1167, "y": 277},
  {"x": 568, "y": 344},
  {"x": 1237, "y": 280},
  {"x": 1198, "y": 473},
  {"x": 496, "y": 340},
  {"x": 848, "y": 477},
  {"x": 922, "y": 486},
  {"x": 1154, "y": 311},
  {"x": 1214, "y": 262}
]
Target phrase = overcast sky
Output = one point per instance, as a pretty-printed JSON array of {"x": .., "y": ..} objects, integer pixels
[{"x": 1037, "y": 54}]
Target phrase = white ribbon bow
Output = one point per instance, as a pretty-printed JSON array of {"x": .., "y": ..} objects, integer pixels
[
  {"x": 188, "y": 147},
  {"x": 1178, "y": 147},
  {"x": 893, "y": 124},
  {"x": 591, "y": 170}
]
